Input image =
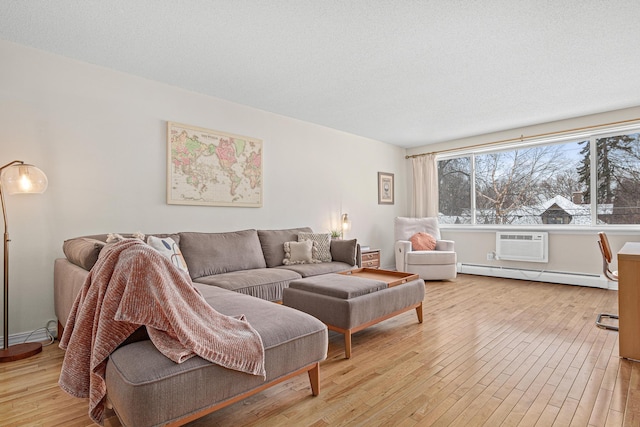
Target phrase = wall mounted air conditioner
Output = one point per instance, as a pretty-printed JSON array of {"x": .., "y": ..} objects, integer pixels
[{"x": 522, "y": 246}]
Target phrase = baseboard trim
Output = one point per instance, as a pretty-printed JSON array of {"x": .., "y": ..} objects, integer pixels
[{"x": 37, "y": 336}]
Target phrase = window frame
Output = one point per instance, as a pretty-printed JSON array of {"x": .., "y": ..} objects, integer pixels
[{"x": 567, "y": 137}]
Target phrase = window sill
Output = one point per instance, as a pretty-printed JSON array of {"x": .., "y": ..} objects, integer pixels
[{"x": 551, "y": 229}]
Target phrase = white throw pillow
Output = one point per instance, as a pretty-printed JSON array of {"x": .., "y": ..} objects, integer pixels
[
  {"x": 169, "y": 248},
  {"x": 299, "y": 253}
]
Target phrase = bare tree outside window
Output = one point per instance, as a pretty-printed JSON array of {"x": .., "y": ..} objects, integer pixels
[
  {"x": 513, "y": 186},
  {"x": 454, "y": 190},
  {"x": 534, "y": 185}
]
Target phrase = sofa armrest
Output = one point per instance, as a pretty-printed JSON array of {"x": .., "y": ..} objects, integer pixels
[
  {"x": 445, "y": 245},
  {"x": 401, "y": 247}
]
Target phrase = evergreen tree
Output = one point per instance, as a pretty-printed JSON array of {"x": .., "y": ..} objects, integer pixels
[
  {"x": 584, "y": 171},
  {"x": 611, "y": 152}
]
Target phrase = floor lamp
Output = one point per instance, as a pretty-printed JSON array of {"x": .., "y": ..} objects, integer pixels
[{"x": 17, "y": 177}]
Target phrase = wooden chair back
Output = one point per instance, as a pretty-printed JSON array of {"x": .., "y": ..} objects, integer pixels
[{"x": 605, "y": 248}]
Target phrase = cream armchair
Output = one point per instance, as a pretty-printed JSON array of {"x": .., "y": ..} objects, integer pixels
[{"x": 438, "y": 264}]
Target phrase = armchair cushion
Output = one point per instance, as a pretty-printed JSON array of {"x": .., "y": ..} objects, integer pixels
[
  {"x": 407, "y": 227},
  {"x": 430, "y": 257}
]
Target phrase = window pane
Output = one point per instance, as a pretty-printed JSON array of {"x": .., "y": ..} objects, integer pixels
[
  {"x": 538, "y": 185},
  {"x": 454, "y": 190},
  {"x": 618, "y": 179}
]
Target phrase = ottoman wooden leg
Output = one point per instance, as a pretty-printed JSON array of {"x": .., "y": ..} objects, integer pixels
[
  {"x": 347, "y": 338},
  {"x": 419, "y": 312}
]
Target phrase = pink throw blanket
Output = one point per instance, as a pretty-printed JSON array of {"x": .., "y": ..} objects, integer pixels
[{"x": 132, "y": 285}]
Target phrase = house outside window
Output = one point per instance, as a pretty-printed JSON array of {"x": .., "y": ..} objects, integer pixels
[{"x": 545, "y": 183}]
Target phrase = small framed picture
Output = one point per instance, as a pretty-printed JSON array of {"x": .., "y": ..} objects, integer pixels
[{"x": 385, "y": 188}]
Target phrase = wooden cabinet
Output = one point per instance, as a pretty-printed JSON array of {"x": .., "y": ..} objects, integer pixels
[
  {"x": 629, "y": 300},
  {"x": 371, "y": 258}
]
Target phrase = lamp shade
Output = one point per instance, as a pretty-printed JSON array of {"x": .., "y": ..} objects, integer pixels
[
  {"x": 23, "y": 178},
  {"x": 346, "y": 222}
]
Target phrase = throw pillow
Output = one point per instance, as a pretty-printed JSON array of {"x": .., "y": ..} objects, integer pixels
[
  {"x": 344, "y": 251},
  {"x": 169, "y": 248},
  {"x": 299, "y": 253},
  {"x": 115, "y": 237},
  {"x": 82, "y": 251},
  {"x": 423, "y": 242},
  {"x": 272, "y": 243},
  {"x": 323, "y": 241}
]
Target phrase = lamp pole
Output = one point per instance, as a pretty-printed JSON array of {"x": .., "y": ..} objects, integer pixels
[
  {"x": 18, "y": 351},
  {"x": 5, "y": 300}
]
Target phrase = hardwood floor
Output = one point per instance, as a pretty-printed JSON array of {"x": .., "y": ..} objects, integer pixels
[{"x": 491, "y": 352}]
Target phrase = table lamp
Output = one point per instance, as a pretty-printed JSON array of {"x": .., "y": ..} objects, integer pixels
[{"x": 17, "y": 177}]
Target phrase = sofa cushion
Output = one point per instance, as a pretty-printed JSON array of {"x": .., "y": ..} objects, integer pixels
[
  {"x": 82, "y": 251},
  {"x": 323, "y": 244},
  {"x": 305, "y": 252},
  {"x": 216, "y": 253},
  {"x": 308, "y": 270},
  {"x": 141, "y": 381},
  {"x": 263, "y": 283},
  {"x": 344, "y": 251},
  {"x": 272, "y": 242}
]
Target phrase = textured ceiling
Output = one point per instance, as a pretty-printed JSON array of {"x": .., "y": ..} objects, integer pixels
[{"x": 405, "y": 72}]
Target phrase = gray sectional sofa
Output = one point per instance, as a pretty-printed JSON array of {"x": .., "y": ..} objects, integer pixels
[{"x": 240, "y": 272}]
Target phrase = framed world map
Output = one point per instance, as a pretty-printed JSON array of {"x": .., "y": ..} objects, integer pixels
[{"x": 209, "y": 167}]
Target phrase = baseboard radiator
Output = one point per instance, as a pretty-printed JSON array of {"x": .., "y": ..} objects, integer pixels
[{"x": 567, "y": 278}]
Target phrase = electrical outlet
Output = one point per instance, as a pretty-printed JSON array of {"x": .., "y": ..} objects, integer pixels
[{"x": 491, "y": 256}]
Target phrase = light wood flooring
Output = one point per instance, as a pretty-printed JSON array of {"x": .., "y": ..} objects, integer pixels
[{"x": 491, "y": 352}]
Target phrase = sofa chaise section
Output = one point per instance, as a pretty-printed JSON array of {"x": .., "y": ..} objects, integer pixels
[{"x": 147, "y": 389}]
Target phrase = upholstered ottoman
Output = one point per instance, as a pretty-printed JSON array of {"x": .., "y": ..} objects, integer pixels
[{"x": 349, "y": 302}]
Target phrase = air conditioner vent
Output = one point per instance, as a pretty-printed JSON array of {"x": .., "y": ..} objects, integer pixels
[{"x": 522, "y": 246}]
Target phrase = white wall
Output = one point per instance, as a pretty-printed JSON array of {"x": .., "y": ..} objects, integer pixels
[
  {"x": 571, "y": 249},
  {"x": 100, "y": 136}
]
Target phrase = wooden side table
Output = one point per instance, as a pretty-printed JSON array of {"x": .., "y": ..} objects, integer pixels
[{"x": 370, "y": 258}]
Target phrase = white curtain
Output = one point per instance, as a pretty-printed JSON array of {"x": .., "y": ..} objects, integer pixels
[{"x": 425, "y": 186}]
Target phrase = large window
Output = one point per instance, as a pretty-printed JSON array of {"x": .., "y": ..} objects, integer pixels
[
  {"x": 454, "y": 189},
  {"x": 545, "y": 183}
]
